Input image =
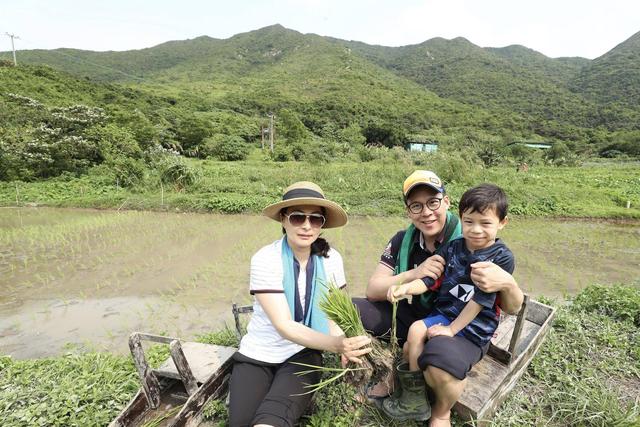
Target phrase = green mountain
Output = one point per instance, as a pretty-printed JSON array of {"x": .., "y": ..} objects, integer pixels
[
  {"x": 131, "y": 65},
  {"x": 558, "y": 70},
  {"x": 444, "y": 83},
  {"x": 614, "y": 77},
  {"x": 511, "y": 79}
]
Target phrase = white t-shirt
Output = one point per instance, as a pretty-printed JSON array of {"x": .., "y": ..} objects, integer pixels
[{"x": 262, "y": 341}]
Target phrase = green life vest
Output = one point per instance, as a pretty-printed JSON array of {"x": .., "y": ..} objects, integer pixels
[{"x": 452, "y": 230}]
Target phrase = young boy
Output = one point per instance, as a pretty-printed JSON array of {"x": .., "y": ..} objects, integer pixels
[{"x": 461, "y": 308}]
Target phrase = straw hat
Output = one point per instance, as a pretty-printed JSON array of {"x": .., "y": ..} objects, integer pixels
[{"x": 308, "y": 193}]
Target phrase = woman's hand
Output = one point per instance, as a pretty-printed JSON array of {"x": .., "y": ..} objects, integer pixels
[
  {"x": 397, "y": 292},
  {"x": 351, "y": 348}
]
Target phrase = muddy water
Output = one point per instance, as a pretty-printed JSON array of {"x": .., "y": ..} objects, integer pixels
[{"x": 84, "y": 278}]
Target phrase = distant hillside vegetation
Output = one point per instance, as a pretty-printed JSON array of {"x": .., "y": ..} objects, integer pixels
[
  {"x": 331, "y": 99},
  {"x": 614, "y": 77}
]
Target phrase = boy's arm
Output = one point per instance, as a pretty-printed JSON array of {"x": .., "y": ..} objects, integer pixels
[
  {"x": 414, "y": 287},
  {"x": 383, "y": 279},
  {"x": 468, "y": 313},
  {"x": 496, "y": 276}
]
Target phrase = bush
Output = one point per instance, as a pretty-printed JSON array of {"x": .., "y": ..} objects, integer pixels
[
  {"x": 560, "y": 155},
  {"x": 282, "y": 153},
  {"x": 454, "y": 166},
  {"x": 128, "y": 172},
  {"x": 225, "y": 147},
  {"x": 369, "y": 153},
  {"x": 617, "y": 301},
  {"x": 114, "y": 141},
  {"x": 176, "y": 171}
]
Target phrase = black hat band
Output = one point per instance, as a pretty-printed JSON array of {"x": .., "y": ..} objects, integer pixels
[{"x": 298, "y": 193}]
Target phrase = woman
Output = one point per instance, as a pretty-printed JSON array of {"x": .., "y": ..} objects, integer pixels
[{"x": 288, "y": 279}]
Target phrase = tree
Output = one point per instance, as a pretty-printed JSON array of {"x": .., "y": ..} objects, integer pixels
[
  {"x": 191, "y": 132},
  {"x": 290, "y": 127},
  {"x": 387, "y": 134}
]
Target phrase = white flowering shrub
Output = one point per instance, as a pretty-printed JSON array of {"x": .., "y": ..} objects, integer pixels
[{"x": 45, "y": 142}]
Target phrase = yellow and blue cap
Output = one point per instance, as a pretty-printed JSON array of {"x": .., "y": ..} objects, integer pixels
[{"x": 422, "y": 177}]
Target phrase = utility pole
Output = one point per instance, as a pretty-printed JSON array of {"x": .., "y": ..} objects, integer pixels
[
  {"x": 262, "y": 129},
  {"x": 13, "y": 36},
  {"x": 272, "y": 130}
]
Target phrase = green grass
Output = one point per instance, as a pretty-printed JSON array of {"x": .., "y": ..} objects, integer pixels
[
  {"x": 587, "y": 373},
  {"x": 373, "y": 188}
]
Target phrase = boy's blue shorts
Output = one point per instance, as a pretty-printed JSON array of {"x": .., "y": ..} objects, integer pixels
[{"x": 439, "y": 318}]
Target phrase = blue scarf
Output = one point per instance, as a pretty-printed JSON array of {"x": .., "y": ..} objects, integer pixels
[{"x": 315, "y": 317}]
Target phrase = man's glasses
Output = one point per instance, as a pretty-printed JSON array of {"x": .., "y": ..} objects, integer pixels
[
  {"x": 432, "y": 204},
  {"x": 296, "y": 219}
]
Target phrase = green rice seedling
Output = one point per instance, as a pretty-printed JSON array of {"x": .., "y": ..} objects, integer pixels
[{"x": 378, "y": 363}]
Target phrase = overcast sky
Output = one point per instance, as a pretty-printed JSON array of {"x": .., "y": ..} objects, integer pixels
[{"x": 586, "y": 28}]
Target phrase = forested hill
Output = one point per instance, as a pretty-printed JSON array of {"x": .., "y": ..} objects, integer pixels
[
  {"x": 615, "y": 76},
  {"x": 440, "y": 90},
  {"x": 573, "y": 91}
]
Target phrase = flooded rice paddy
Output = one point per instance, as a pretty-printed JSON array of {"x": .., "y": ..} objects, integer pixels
[{"x": 82, "y": 278}]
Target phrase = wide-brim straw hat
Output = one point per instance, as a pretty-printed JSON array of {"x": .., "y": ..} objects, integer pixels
[{"x": 308, "y": 193}]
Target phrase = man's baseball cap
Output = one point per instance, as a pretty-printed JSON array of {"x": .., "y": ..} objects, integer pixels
[{"x": 422, "y": 177}]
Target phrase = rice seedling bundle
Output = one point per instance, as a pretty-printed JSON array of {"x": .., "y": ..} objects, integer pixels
[{"x": 379, "y": 362}]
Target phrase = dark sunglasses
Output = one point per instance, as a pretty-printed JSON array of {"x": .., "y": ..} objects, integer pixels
[{"x": 296, "y": 219}]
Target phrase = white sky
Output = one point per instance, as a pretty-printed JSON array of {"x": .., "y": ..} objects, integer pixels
[{"x": 586, "y": 28}]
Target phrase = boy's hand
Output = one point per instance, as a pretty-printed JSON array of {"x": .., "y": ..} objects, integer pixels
[
  {"x": 437, "y": 330},
  {"x": 398, "y": 292}
]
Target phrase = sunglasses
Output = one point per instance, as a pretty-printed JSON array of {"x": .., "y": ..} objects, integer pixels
[{"x": 297, "y": 219}]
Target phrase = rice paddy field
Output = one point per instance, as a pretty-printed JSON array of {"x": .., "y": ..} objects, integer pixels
[{"x": 87, "y": 278}]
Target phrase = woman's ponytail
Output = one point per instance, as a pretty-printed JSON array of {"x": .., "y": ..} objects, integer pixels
[{"x": 320, "y": 247}]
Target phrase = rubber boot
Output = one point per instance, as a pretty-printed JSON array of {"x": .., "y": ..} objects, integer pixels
[{"x": 410, "y": 402}]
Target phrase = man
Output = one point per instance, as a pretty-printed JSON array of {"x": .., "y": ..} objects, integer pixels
[{"x": 412, "y": 254}]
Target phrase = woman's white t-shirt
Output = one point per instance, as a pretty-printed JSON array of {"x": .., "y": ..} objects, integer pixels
[{"x": 262, "y": 341}]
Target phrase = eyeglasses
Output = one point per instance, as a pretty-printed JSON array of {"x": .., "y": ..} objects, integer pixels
[
  {"x": 298, "y": 218},
  {"x": 432, "y": 204}
]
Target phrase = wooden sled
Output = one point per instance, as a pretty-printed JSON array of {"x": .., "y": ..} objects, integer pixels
[
  {"x": 516, "y": 341},
  {"x": 176, "y": 392}
]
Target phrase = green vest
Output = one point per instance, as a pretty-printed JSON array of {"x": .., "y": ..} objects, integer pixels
[{"x": 452, "y": 230}]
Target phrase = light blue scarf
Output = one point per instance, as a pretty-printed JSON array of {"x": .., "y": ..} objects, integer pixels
[{"x": 315, "y": 317}]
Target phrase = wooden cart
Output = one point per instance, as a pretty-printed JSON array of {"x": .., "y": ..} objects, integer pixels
[
  {"x": 516, "y": 341},
  {"x": 176, "y": 393}
]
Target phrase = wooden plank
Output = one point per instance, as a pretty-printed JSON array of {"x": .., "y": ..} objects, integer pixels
[
  {"x": 148, "y": 379},
  {"x": 517, "y": 329},
  {"x": 191, "y": 413},
  {"x": 237, "y": 310},
  {"x": 518, "y": 368},
  {"x": 132, "y": 412},
  {"x": 203, "y": 359},
  {"x": 538, "y": 312},
  {"x": 501, "y": 355},
  {"x": 155, "y": 338},
  {"x": 503, "y": 334},
  {"x": 183, "y": 368},
  {"x": 485, "y": 376},
  {"x": 490, "y": 381}
]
